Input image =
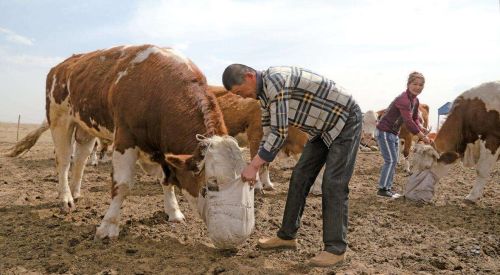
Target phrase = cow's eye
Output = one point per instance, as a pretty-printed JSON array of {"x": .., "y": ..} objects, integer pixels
[{"x": 212, "y": 184}]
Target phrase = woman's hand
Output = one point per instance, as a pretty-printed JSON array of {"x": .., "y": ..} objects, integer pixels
[{"x": 426, "y": 140}]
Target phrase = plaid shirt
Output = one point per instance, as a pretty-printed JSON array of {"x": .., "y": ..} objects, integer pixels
[{"x": 298, "y": 97}]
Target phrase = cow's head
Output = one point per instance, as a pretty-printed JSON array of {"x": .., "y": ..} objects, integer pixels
[
  {"x": 423, "y": 158},
  {"x": 222, "y": 159},
  {"x": 213, "y": 175},
  {"x": 217, "y": 161},
  {"x": 186, "y": 173},
  {"x": 426, "y": 157}
]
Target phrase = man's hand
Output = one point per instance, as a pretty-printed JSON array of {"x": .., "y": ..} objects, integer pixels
[{"x": 249, "y": 174}]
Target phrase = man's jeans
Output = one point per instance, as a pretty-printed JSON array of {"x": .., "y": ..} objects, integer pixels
[
  {"x": 339, "y": 162},
  {"x": 389, "y": 147}
]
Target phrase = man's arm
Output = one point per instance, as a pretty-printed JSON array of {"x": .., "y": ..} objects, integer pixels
[{"x": 277, "y": 112}]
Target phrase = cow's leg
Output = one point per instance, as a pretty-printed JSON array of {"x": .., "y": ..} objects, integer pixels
[
  {"x": 169, "y": 199},
  {"x": 316, "y": 188},
  {"x": 94, "y": 159},
  {"x": 62, "y": 133},
  {"x": 123, "y": 178},
  {"x": 171, "y": 206},
  {"x": 84, "y": 143},
  {"x": 264, "y": 178},
  {"x": 483, "y": 167},
  {"x": 401, "y": 145},
  {"x": 406, "y": 154}
]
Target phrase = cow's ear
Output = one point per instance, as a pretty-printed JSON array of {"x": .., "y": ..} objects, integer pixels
[
  {"x": 448, "y": 157},
  {"x": 435, "y": 154},
  {"x": 177, "y": 161},
  {"x": 185, "y": 162}
]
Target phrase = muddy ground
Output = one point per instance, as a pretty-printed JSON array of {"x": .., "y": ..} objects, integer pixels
[{"x": 385, "y": 236}]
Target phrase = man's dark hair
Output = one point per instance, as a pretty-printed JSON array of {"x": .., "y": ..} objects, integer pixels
[{"x": 234, "y": 75}]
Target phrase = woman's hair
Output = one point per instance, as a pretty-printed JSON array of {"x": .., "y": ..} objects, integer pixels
[{"x": 413, "y": 76}]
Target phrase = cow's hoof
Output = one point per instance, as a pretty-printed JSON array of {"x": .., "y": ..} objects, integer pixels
[
  {"x": 176, "y": 217},
  {"x": 68, "y": 204},
  {"x": 468, "y": 200},
  {"x": 76, "y": 196},
  {"x": 259, "y": 191},
  {"x": 269, "y": 187},
  {"x": 109, "y": 230},
  {"x": 316, "y": 193}
]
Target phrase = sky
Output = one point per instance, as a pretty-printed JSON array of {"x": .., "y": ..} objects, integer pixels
[{"x": 368, "y": 47}]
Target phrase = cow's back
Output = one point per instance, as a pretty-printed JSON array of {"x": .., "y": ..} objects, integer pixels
[
  {"x": 475, "y": 115},
  {"x": 154, "y": 93}
]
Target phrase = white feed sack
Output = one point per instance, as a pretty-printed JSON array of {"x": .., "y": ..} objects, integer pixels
[
  {"x": 420, "y": 186},
  {"x": 228, "y": 213}
]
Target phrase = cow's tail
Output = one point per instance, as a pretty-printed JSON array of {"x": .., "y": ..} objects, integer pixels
[{"x": 28, "y": 141}]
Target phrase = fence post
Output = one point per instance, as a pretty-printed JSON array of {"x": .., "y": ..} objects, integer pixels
[{"x": 18, "y": 122}]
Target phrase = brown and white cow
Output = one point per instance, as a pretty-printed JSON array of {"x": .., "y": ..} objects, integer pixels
[
  {"x": 244, "y": 115},
  {"x": 471, "y": 132},
  {"x": 152, "y": 103},
  {"x": 407, "y": 138}
]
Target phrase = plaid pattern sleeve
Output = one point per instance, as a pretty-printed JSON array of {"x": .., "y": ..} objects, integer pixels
[
  {"x": 266, "y": 124},
  {"x": 303, "y": 99},
  {"x": 275, "y": 115}
]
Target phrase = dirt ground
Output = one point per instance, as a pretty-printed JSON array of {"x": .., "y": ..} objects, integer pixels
[{"x": 386, "y": 236}]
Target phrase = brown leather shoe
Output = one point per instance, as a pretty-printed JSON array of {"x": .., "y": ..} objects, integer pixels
[
  {"x": 326, "y": 259},
  {"x": 276, "y": 242}
]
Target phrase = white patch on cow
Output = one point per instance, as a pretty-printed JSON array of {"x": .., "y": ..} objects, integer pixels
[
  {"x": 263, "y": 179},
  {"x": 58, "y": 111},
  {"x": 406, "y": 163},
  {"x": 170, "y": 201},
  {"x": 94, "y": 160},
  {"x": 483, "y": 167},
  {"x": 123, "y": 177},
  {"x": 124, "y": 166},
  {"x": 60, "y": 127},
  {"x": 369, "y": 123},
  {"x": 472, "y": 153},
  {"x": 53, "y": 86},
  {"x": 171, "y": 205},
  {"x": 120, "y": 75},
  {"x": 177, "y": 55},
  {"x": 143, "y": 55},
  {"x": 488, "y": 93},
  {"x": 100, "y": 132},
  {"x": 81, "y": 153},
  {"x": 316, "y": 189}
]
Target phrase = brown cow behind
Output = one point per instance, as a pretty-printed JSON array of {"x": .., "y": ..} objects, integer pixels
[
  {"x": 244, "y": 115},
  {"x": 152, "y": 103},
  {"x": 406, "y": 137}
]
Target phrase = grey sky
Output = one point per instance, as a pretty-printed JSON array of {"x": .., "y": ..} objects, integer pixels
[{"x": 366, "y": 46}]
